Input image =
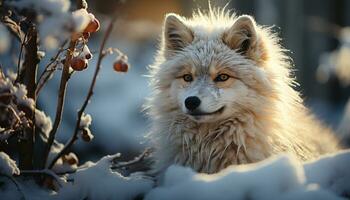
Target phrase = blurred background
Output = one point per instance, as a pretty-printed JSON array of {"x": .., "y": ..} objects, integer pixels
[{"x": 314, "y": 31}]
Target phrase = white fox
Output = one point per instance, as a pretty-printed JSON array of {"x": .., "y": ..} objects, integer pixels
[{"x": 223, "y": 95}]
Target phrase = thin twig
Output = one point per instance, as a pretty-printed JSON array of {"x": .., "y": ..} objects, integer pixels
[
  {"x": 13, "y": 27},
  {"x": 14, "y": 113},
  {"x": 60, "y": 99},
  {"x": 136, "y": 160},
  {"x": 15, "y": 183},
  {"x": 87, "y": 99},
  {"x": 62, "y": 91},
  {"x": 20, "y": 57},
  {"x": 45, "y": 75}
]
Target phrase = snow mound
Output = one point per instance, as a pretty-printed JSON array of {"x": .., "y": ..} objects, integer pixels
[
  {"x": 281, "y": 177},
  {"x": 7, "y": 165},
  {"x": 332, "y": 172},
  {"x": 98, "y": 181}
]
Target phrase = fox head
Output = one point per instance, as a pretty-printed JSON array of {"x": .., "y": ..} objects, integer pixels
[{"x": 217, "y": 65}]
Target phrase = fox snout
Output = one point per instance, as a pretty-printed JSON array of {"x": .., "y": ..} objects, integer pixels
[{"x": 192, "y": 103}]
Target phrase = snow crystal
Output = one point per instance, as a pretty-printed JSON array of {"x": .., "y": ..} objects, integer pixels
[
  {"x": 43, "y": 121},
  {"x": 4, "y": 39},
  {"x": 7, "y": 165},
  {"x": 98, "y": 181}
]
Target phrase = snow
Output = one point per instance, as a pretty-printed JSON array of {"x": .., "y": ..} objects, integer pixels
[
  {"x": 68, "y": 163},
  {"x": 81, "y": 19},
  {"x": 98, "y": 181},
  {"x": 56, "y": 22},
  {"x": 21, "y": 96},
  {"x": 330, "y": 172},
  {"x": 43, "y": 121},
  {"x": 18, "y": 90},
  {"x": 55, "y": 149},
  {"x": 280, "y": 177},
  {"x": 85, "y": 51},
  {"x": 7, "y": 165},
  {"x": 85, "y": 121}
]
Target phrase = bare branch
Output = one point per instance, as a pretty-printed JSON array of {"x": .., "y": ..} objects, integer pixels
[
  {"x": 60, "y": 99},
  {"x": 30, "y": 67},
  {"x": 13, "y": 27},
  {"x": 62, "y": 91},
  {"x": 87, "y": 99},
  {"x": 136, "y": 160},
  {"x": 46, "y": 74},
  {"x": 20, "y": 57}
]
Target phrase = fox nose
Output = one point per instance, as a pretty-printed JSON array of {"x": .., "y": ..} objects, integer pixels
[{"x": 192, "y": 102}]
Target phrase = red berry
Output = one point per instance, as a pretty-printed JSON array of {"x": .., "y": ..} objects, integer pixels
[
  {"x": 93, "y": 26},
  {"x": 86, "y": 35},
  {"x": 88, "y": 56},
  {"x": 121, "y": 66},
  {"x": 78, "y": 64}
]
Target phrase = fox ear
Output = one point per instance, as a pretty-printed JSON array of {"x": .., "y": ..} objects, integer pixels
[
  {"x": 242, "y": 37},
  {"x": 176, "y": 35}
]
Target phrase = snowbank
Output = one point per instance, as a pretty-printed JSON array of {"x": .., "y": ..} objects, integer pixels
[
  {"x": 7, "y": 165},
  {"x": 98, "y": 181},
  {"x": 280, "y": 177}
]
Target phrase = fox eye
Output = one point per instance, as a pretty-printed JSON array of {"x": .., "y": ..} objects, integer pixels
[
  {"x": 187, "y": 77},
  {"x": 222, "y": 78}
]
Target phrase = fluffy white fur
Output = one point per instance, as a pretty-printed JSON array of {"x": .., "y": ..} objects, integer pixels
[{"x": 263, "y": 114}]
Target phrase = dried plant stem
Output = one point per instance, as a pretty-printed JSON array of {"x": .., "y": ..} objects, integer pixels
[
  {"x": 87, "y": 99},
  {"x": 136, "y": 160},
  {"x": 45, "y": 76},
  {"x": 30, "y": 67},
  {"x": 60, "y": 100},
  {"x": 20, "y": 57}
]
